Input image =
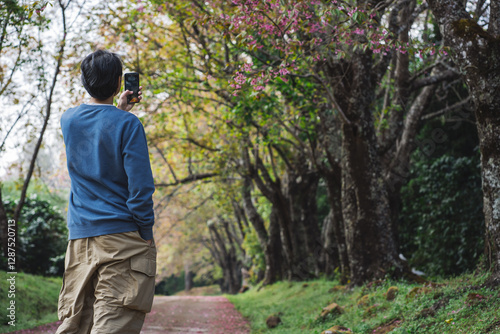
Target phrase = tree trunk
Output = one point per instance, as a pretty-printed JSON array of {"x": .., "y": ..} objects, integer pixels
[
  {"x": 269, "y": 242},
  {"x": 477, "y": 53},
  {"x": 231, "y": 267},
  {"x": 330, "y": 257},
  {"x": 274, "y": 258},
  {"x": 371, "y": 247},
  {"x": 301, "y": 193},
  {"x": 333, "y": 233},
  {"x": 299, "y": 266},
  {"x": 188, "y": 277},
  {"x": 234, "y": 263},
  {"x": 334, "y": 230},
  {"x": 4, "y": 225},
  {"x": 399, "y": 108},
  {"x": 290, "y": 244},
  {"x": 252, "y": 214}
]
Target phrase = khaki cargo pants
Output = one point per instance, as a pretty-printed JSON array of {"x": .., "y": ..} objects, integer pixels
[{"x": 108, "y": 284}]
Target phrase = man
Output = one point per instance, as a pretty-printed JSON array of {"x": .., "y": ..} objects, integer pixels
[{"x": 110, "y": 265}]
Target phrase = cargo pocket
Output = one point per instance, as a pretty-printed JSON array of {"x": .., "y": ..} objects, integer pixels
[{"x": 141, "y": 292}]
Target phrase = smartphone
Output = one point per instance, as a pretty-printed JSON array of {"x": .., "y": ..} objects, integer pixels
[{"x": 132, "y": 84}]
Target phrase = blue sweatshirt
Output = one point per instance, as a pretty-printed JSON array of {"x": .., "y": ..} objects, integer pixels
[{"x": 111, "y": 179}]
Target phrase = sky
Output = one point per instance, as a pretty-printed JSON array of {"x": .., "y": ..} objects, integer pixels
[{"x": 24, "y": 135}]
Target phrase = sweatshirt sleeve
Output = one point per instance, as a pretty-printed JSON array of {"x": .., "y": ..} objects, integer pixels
[{"x": 140, "y": 179}]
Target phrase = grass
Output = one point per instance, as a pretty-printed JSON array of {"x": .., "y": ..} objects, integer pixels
[
  {"x": 460, "y": 304},
  {"x": 35, "y": 300},
  {"x": 456, "y": 305},
  {"x": 210, "y": 290}
]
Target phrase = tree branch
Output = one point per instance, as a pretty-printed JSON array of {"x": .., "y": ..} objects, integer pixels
[
  {"x": 192, "y": 141},
  {"x": 48, "y": 109},
  {"x": 190, "y": 178},
  {"x": 443, "y": 76},
  {"x": 447, "y": 109},
  {"x": 21, "y": 114},
  {"x": 165, "y": 159}
]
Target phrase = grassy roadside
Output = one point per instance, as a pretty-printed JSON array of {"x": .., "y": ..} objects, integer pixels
[
  {"x": 211, "y": 290},
  {"x": 457, "y": 305},
  {"x": 35, "y": 301}
]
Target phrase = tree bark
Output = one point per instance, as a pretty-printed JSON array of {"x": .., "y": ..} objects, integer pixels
[
  {"x": 399, "y": 105},
  {"x": 299, "y": 266},
  {"x": 292, "y": 239},
  {"x": 334, "y": 254},
  {"x": 251, "y": 212},
  {"x": 269, "y": 242},
  {"x": 231, "y": 267},
  {"x": 371, "y": 247},
  {"x": 334, "y": 229},
  {"x": 494, "y": 23},
  {"x": 330, "y": 257},
  {"x": 273, "y": 253},
  {"x": 188, "y": 277},
  {"x": 301, "y": 194},
  {"x": 477, "y": 53},
  {"x": 402, "y": 76}
]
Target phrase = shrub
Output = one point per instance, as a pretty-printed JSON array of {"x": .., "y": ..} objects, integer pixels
[
  {"x": 442, "y": 222},
  {"x": 42, "y": 237}
]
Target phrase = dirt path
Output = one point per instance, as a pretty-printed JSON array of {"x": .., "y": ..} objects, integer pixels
[
  {"x": 196, "y": 314},
  {"x": 186, "y": 314}
]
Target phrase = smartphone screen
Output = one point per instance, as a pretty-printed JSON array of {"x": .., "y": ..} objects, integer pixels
[{"x": 132, "y": 84}]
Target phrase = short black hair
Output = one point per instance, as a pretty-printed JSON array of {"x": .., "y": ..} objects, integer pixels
[{"x": 101, "y": 73}]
